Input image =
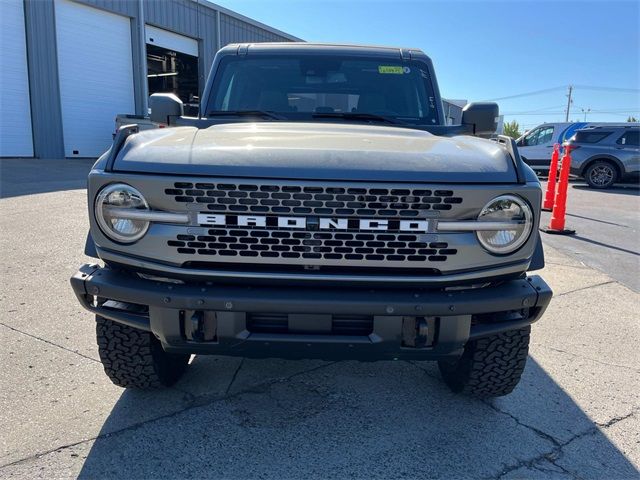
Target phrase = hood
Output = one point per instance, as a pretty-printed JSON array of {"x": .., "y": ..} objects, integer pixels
[{"x": 316, "y": 151}]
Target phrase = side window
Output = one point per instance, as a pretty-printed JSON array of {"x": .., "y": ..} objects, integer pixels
[
  {"x": 589, "y": 136},
  {"x": 531, "y": 138},
  {"x": 545, "y": 136},
  {"x": 539, "y": 136},
  {"x": 631, "y": 138}
]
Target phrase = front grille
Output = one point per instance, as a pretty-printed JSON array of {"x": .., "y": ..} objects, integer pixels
[
  {"x": 312, "y": 200},
  {"x": 359, "y": 325},
  {"x": 282, "y": 244},
  {"x": 231, "y": 242}
]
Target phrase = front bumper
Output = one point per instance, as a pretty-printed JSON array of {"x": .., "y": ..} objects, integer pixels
[{"x": 448, "y": 319}]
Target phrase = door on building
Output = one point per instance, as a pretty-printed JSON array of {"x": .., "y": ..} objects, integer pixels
[
  {"x": 16, "y": 139},
  {"x": 96, "y": 75},
  {"x": 172, "y": 66}
]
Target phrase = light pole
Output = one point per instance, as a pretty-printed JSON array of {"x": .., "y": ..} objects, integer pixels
[{"x": 585, "y": 113}]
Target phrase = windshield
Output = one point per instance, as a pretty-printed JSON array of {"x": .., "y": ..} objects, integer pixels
[{"x": 315, "y": 86}]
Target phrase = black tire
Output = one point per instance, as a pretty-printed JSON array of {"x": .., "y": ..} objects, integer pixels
[
  {"x": 490, "y": 366},
  {"x": 133, "y": 358},
  {"x": 601, "y": 174}
]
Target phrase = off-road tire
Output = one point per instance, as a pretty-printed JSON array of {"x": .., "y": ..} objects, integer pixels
[
  {"x": 601, "y": 174},
  {"x": 133, "y": 358},
  {"x": 490, "y": 366}
]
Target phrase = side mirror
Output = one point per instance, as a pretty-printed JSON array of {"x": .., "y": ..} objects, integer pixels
[
  {"x": 163, "y": 106},
  {"x": 482, "y": 116}
]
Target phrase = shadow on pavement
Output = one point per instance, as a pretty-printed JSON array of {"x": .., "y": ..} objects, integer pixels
[
  {"x": 622, "y": 189},
  {"x": 26, "y": 176},
  {"x": 349, "y": 419},
  {"x": 605, "y": 245}
]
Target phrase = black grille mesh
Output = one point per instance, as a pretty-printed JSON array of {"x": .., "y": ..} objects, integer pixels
[
  {"x": 316, "y": 200},
  {"x": 280, "y": 244}
]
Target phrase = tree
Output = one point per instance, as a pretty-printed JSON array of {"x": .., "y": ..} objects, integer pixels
[
  {"x": 632, "y": 119},
  {"x": 512, "y": 129}
]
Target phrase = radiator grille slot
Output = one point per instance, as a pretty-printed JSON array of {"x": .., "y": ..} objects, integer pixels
[
  {"x": 312, "y": 200},
  {"x": 278, "y": 323},
  {"x": 278, "y": 244}
]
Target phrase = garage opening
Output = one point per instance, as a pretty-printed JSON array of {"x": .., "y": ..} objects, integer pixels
[
  {"x": 169, "y": 71},
  {"x": 172, "y": 66}
]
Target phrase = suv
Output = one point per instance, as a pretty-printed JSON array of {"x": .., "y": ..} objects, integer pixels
[
  {"x": 604, "y": 155},
  {"x": 318, "y": 207}
]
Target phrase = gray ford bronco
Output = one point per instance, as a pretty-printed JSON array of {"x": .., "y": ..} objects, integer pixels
[{"x": 318, "y": 207}]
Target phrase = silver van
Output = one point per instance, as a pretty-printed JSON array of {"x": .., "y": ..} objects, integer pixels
[{"x": 536, "y": 145}]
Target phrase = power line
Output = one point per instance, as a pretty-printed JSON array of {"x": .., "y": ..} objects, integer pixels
[
  {"x": 562, "y": 112},
  {"x": 553, "y": 89},
  {"x": 527, "y": 94},
  {"x": 535, "y": 110},
  {"x": 610, "y": 89}
]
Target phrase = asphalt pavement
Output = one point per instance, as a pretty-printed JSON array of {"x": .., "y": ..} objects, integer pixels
[
  {"x": 607, "y": 225},
  {"x": 576, "y": 413}
]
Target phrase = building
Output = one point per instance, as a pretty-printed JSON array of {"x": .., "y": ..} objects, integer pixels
[
  {"x": 69, "y": 66},
  {"x": 453, "y": 111}
]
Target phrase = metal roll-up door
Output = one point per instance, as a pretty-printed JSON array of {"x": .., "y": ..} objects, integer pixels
[
  {"x": 16, "y": 139},
  {"x": 96, "y": 75}
]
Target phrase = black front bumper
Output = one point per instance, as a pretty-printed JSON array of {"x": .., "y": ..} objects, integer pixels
[{"x": 452, "y": 317}]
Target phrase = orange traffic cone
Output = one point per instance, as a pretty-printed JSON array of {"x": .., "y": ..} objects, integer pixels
[
  {"x": 556, "y": 225},
  {"x": 547, "y": 205}
]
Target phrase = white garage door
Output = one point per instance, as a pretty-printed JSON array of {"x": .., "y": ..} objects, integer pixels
[
  {"x": 96, "y": 75},
  {"x": 15, "y": 111},
  {"x": 170, "y": 40}
]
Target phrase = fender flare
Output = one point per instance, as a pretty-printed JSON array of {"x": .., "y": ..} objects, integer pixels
[
  {"x": 537, "y": 260},
  {"x": 90, "y": 247}
]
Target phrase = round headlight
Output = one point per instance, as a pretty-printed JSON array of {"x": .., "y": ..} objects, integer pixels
[
  {"x": 511, "y": 222},
  {"x": 115, "y": 212}
]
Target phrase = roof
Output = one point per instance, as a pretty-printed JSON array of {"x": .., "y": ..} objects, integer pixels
[{"x": 328, "y": 48}]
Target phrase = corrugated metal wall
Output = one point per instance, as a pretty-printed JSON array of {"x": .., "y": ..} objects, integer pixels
[
  {"x": 195, "y": 19},
  {"x": 452, "y": 113},
  {"x": 42, "y": 60},
  {"x": 233, "y": 30}
]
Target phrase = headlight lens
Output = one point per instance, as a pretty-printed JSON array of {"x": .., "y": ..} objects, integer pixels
[
  {"x": 508, "y": 209},
  {"x": 110, "y": 208}
]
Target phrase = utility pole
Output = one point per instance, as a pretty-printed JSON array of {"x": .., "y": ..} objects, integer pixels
[{"x": 566, "y": 119}]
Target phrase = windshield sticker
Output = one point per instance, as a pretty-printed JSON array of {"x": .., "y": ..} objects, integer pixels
[{"x": 390, "y": 69}]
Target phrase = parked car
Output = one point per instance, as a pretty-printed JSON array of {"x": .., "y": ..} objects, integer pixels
[
  {"x": 143, "y": 123},
  {"x": 604, "y": 155},
  {"x": 536, "y": 145}
]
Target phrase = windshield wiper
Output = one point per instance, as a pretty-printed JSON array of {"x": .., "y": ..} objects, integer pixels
[
  {"x": 245, "y": 113},
  {"x": 359, "y": 116}
]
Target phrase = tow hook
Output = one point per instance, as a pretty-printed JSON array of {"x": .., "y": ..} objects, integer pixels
[
  {"x": 418, "y": 332},
  {"x": 197, "y": 326},
  {"x": 422, "y": 332}
]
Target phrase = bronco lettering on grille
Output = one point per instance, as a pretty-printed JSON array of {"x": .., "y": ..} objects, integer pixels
[{"x": 314, "y": 223}]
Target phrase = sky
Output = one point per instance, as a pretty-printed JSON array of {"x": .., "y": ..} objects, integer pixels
[{"x": 485, "y": 50}]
